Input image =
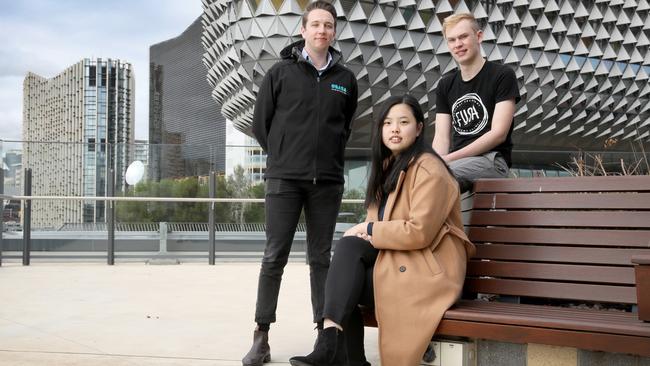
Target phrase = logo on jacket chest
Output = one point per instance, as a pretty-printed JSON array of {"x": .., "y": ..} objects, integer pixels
[{"x": 339, "y": 88}]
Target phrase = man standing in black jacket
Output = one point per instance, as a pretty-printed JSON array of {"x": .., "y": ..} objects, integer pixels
[{"x": 302, "y": 121}]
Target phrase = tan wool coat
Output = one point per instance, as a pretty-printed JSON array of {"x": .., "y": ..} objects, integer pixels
[{"x": 420, "y": 269}]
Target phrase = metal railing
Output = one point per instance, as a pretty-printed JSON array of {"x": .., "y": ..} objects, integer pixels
[
  {"x": 172, "y": 226},
  {"x": 112, "y": 226}
]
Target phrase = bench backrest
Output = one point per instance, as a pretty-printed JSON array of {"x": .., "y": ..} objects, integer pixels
[{"x": 568, "y": 238}]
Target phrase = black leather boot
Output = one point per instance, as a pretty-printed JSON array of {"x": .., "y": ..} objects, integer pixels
[
  {"x": 329, "y": 351},
  {"x": 260, "y": 352}
]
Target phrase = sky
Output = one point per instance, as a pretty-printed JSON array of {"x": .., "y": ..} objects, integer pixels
[{"x": 47, "y": 36}]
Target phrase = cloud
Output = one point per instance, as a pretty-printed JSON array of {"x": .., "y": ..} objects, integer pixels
[
  {"x": 11, "y": 107},
  {"x": 46, "y": 37}
]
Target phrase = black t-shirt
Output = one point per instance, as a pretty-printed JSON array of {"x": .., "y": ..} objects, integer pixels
[{"x": 471, "y": 104}]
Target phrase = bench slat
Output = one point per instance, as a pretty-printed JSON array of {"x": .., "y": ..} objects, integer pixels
[
  {"x": 565, "y": 184},
  {"x": 560, "y": 272},
  {"x": 611, "y": 219},
  {"x": 597, "y": 201},
  {"x": 557, "y": 290},
  {"x": 535, "y": 253},
  {"x": 591, "y": 237},
  {"x": 618, "y": 322}
]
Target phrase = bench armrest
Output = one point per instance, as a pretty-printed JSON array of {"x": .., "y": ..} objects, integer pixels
[{"x": 642, "y": 274}]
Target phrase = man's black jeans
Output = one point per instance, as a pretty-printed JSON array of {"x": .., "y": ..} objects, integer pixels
[{"x": 284, "y": 201}]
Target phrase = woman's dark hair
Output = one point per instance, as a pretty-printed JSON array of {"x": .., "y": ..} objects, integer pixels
[{"x": 384, "y": 168}]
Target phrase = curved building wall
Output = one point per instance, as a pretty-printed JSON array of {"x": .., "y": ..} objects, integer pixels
[
  {"x": 187, "y": 132},
  {"x": 582, "y": 66}
]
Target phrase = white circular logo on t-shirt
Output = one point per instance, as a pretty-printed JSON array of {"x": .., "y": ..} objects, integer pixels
[{"x": 469, "y": 115}]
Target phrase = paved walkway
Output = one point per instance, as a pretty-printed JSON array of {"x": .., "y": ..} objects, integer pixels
[{"x": 137, "y": 314}]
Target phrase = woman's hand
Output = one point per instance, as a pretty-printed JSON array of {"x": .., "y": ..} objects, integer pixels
[{"x": 359, "y": 230}]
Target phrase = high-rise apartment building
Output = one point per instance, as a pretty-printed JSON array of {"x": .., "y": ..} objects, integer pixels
[
  {"x": 187, "y": 133},
  {"x": 12, "y": 166},
  {"x": 77, "y": 125},
  {"x": 13, "y": 160},
  {"x": 141, "y": 153},
  {"x": 245, "y": 152}
]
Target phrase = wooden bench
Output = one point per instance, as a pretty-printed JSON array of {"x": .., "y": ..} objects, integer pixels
[{"x": 559, "y": 252}]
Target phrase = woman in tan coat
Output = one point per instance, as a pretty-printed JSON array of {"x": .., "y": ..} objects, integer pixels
[{"x": 407, "y": 260}]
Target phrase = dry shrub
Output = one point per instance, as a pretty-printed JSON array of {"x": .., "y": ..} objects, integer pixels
[{"x": 586, "y": 164}]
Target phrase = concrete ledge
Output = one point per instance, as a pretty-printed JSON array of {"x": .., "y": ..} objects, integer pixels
[
  {"x": 490, "y": 353},
  {"x": 500, "y": 353},
  {"x": 543, "y": 355}
]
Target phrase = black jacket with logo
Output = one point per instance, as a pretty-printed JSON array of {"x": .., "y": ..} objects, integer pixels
[{"x": 302, "y": 120}]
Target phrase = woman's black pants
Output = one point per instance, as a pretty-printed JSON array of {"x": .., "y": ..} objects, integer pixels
[{"x": 349, "y": 283}]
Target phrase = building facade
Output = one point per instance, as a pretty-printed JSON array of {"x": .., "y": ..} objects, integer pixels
[
  {"x": 13, "y": 164},
  {"x": 77, "y": 125},
  {"x": 141, "y": 153},
  {"x": 12, "y": 173},
  {"x": 582, "y": 66},
  {"x": 187, "y": 133},
  {"x": 243, "y": 151}
]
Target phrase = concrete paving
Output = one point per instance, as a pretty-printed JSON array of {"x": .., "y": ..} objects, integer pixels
[{"x": 136, "y": 314}]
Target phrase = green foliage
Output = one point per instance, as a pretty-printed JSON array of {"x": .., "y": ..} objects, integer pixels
[
  {"x": 235, "y": 186},
  {"x": 255, "y": 213},
  {"x": 352, "y": 213}
]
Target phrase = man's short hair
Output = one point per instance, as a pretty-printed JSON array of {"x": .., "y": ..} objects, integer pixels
[
  {"x": 318, "y": 4},
  {"x": 454, "y": 19}
]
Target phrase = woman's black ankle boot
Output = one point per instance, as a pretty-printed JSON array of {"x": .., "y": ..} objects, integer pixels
[{"x": 329, "y": 350}]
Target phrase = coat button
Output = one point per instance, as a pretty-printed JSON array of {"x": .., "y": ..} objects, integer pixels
[{"x": 402, "y": 269}]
